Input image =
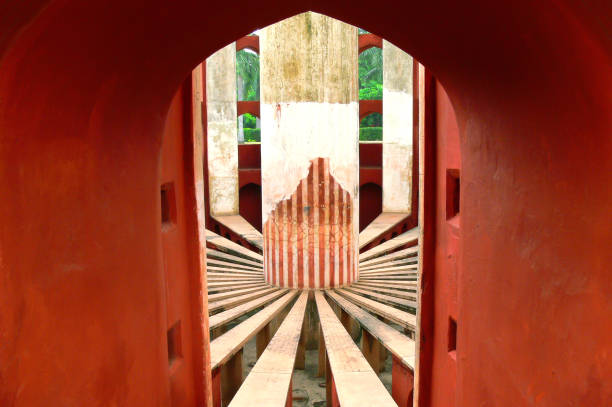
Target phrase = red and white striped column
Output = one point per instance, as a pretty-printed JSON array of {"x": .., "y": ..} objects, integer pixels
[{"x": 310, "y": 141}]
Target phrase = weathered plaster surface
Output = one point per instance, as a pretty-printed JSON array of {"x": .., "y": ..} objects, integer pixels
[
  {"x": 309, "y": 112},
  {"x": 309, "y": 58},
  {"x": 304, "y": 131},
  {"x": 222, "y": 131},
  {"x": 309, "y": 239},
  {"x": 309, "y": 103},
  {"x": 397, "y": 129}
]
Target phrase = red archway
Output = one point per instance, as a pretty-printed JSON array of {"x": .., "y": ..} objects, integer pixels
[{"x": 85, "y": 89}]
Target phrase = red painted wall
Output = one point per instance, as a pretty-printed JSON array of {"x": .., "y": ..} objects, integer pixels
[
  {"x": 176, "y": 249},
  {"x": 370, "y": 182},
  {"x": 370, "y": 203},
  {"x": 370, "y": 154},
  {"x": 250, "y": 204},
  {"x": 249, "y": 156},
  {"x": 447, "y": 254},
  {"x": 81, "y": 118}
]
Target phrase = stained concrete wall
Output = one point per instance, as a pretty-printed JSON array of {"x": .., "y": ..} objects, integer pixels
[
  {"x": 310, "y": 112},
  {"x": 222, "y": 131},
  {"x": 397, "y": 129}
]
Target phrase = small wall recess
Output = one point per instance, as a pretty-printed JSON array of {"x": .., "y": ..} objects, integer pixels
[
  {"x": 452, "y": 336},
  {"x": 168, "y": 204},
  {"x": 174, "y": 342},
  {"x": 453, "y": 189}
]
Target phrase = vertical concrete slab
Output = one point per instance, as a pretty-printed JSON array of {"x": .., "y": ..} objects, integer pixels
[
  {"x": 310, "y": 133},
  {"x": 222, "y": 131},
  {"x": 200, "y": 298},
  {"x": 397, "y": 129}
]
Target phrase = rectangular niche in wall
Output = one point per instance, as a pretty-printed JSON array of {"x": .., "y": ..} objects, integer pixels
[
  {"x": 452, "y": 337},
  {"x": 168, "y": 204},
  {"x": 174, "y": 343},
  {"x": 453, "y": 188}
]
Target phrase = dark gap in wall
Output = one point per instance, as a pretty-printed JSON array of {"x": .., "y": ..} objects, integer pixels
[
  {"x": 452, "y": 335},
  {"x": 453, "y": 188},
  {"x": 168, "y": 204},
  {"x": 174, "y": 343}
]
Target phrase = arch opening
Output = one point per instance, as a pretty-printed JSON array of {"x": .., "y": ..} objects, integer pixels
[{"x": 486, "y": 76}]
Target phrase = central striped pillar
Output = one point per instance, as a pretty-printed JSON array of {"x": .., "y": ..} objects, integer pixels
[{"x": 310, "y": 136}]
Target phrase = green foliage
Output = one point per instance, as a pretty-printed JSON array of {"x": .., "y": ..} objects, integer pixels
[
  {"x": 373, "y": 92},
  {"x": 249, "y": 121},
  {"x": 252, "y": 135},
  {"x": 371, "y": 74},
  {"x": 370, "y": 134},
  {"x": 249, "y": 128},
  {"x": 247, "y": 75},
  {"x": 371, "y": 120}
]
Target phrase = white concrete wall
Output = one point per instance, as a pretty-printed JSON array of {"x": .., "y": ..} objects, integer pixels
[
  {"x": 326, "y": 130},
  {"x": 397, "y": 129},
  {"x": 222, "y": 131}
]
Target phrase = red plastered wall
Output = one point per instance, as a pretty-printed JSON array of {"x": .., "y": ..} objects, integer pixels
[
  {"x": 176, "y": 251},
  {"x": 84, "y": 93},
  {"x": 447, "y": 252},
  {"x": 250, "y": 204},
  {"x": 370, "y": 203},
  {"x": 370, "y": 183}
]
